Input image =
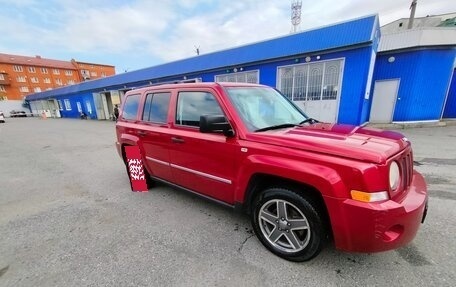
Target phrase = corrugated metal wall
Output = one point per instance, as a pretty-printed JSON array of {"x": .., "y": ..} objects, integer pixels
[
  {"x": 356, "y": 66},
  {"x": 450, "y": 106},
  {"x": 424, "y": 79}
]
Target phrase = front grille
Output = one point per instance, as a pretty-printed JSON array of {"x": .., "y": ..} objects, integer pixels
[{"x": 406, "y": 167}]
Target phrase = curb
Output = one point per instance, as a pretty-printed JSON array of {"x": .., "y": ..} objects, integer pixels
[{"x": 412, "y": 125}]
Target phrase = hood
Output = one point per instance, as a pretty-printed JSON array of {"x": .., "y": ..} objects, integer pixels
[{"x": 361, "y": 143}]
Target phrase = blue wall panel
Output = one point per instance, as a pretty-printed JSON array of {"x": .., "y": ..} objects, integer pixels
[
  {"x": 83, "y": 98},
  {"x": 353, "y": 87},
  {"x": 424, "y": 78},
  {"x": 450, "y": 106}
]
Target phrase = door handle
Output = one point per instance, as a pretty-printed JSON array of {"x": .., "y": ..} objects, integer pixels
[
  {"x": 177, "y": 140},
  {"x": 141, "y": 133}
]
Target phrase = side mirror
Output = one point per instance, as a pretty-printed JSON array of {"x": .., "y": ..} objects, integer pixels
[{"x": 215, "y": 123}]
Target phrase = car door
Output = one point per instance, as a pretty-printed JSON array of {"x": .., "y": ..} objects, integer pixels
[
  {"x": 155, "y": 134},
  {"x": 203, "y": 162}
]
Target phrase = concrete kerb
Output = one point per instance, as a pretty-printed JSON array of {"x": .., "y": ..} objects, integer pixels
[{"x": 409, "y": 125}]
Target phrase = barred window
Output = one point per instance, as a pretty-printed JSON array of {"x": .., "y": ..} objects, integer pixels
[
  {"x": 240, "y": 77},
  {"x": 311, "y": 82},
  {"x": 67, "y": 104}
]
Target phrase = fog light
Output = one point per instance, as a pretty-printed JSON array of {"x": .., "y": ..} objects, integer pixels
[{"x": 369, "y": 196}]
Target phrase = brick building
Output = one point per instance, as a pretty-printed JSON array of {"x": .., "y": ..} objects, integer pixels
[{"x": 23, "y": 75}]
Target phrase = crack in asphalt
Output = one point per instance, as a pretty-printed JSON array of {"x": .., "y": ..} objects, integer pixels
[
  {"x": 243, "y": 243},
  {"x": 3, "y": 270}
]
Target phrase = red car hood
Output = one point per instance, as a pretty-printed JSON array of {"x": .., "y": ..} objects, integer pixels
[{"x": 366, "y": 144}]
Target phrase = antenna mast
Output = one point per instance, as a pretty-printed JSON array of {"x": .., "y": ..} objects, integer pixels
[{"x": 295, "y": 15}]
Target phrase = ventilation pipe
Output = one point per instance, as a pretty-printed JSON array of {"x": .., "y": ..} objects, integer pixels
[{"x": 412, "y": 14}]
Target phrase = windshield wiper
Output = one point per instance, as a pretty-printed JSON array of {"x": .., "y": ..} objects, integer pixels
[
  {"x": 309, "y": 120},
  {"x": 276, "y": 127}
]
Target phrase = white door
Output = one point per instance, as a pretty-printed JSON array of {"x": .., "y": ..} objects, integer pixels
[
  {"x": 105, "y": 106},
  {"x": 384, "y": 101},
  {"x": 99, "y": 106}
]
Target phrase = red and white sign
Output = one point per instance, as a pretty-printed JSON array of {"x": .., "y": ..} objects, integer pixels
[{"x": 136, "y": 169}]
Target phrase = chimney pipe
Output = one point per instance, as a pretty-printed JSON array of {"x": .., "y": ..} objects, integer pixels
[{"x": 412, "y": 14}]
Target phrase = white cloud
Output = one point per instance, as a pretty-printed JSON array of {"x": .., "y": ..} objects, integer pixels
[{"x": 124, "y": 32}]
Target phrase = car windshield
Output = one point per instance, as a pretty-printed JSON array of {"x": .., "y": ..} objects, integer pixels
[{"x": 263, "y": 108}]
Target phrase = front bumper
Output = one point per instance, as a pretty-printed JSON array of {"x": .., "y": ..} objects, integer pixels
[{"x": 374, "y": 227}]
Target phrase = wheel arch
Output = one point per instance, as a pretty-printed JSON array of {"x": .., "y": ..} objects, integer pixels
[{"x": 261, "y": 181}]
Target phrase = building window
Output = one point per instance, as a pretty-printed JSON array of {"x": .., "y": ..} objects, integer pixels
[
  {"x": 56, "y": 71},
  {"x": 3, "y": 98},
  {"x": 24, "y": 89},
  {"x": 21, "y": 79},
  {"x": 89, "y": 107},
  {"x": 34, "y": 80},
  {"x": 2, "y": 89},
  {"x": 68, "y": 72},
  {"x": 85, "y": 74},
  {"x": 2, "y": 77},
  {"x": 67, "y": 104},
  {"x": 58, "y": 82},
  {"x": 47, "y": 80},
  {"x": 44, "y": 70},
  {"x": 59, "y": 102},
  {"x": 311, "y": 82},
  {"x": 241, "y": 77},
  {"x": 17, "y": 68},
  {"x": 37, "y": 89},
  {"x": 32, "y": 69},
  {"x": 70, "y": 82},
  {"x": 103, "y": 74},
  {"x": 93, "y": 74},
  {"x": 78, "y": 104}
]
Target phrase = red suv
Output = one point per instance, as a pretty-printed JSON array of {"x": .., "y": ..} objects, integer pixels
[{"x": 301, "y": 181}]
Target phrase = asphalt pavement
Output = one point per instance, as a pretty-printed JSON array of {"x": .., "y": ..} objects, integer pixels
[{"x": 68, "y": 218}]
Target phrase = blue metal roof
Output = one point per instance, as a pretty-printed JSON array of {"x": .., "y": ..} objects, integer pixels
[{"x": 345, "y": 34}]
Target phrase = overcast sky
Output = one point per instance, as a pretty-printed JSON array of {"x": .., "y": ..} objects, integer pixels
[{"x": 138, "y": 34}]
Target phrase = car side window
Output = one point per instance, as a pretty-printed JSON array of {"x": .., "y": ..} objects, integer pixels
[
  {"x": 156, "y": 107},
  {"x": 130, "y": 108},
  {"x": 192, "y": 105}
]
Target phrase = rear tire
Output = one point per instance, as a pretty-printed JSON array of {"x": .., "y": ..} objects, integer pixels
[{"x": 288, "y": 224}]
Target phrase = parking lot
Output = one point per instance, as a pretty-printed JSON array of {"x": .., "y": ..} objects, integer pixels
[{"x": 68, "y": 218}]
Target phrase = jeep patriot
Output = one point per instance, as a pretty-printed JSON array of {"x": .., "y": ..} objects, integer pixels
[{"x": 302, "y": 182}]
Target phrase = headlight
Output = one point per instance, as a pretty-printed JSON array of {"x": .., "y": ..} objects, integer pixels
[{"x": 394, "y": 176}]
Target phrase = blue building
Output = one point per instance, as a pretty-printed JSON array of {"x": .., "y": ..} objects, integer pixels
[
  {"x": 413, "y": 73},
  {"x": 337, "y": 73}
]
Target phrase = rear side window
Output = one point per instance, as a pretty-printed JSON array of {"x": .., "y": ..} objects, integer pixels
[
  {"x": 130, "y": 108},
  {"x": 192, "y": 105},
  {"x": 156, "y": 107}
]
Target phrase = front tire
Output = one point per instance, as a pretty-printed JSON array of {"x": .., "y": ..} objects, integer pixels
[{"x": 288, "y": 224}]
